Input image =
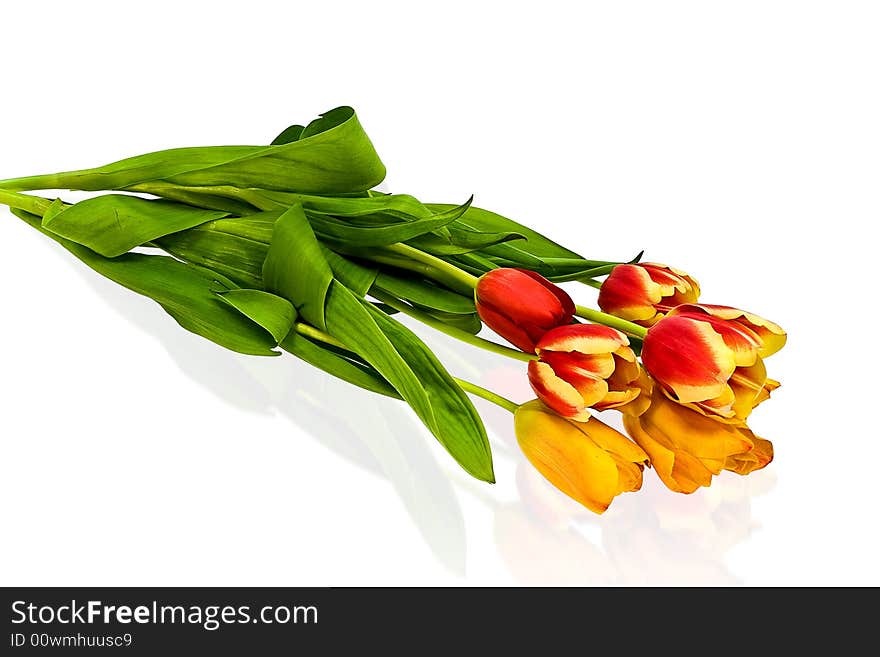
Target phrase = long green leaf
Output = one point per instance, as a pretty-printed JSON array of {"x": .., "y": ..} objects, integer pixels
[
  {"x": 482, "y": 220},
  {"x": 335, "y": 157},
  {"x": 461, "y": 240},
  {"x": 237, "y": 258},
  {"x": 401, "y": 358},
  {"x": 372, "y": 236},
  {"x": 114, "y": 224}
]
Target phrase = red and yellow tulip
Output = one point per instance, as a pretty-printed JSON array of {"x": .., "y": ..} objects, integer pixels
[
  {"x": 521, "y": 305},
  {"x": 583, "y": 366},
  {"x": 643, "y": 293},
  {"x": 711, "y": 358},
  {"x": 740, "y": 329},
  {"x": 588, "y": 461},
  {"x": 687, "y": 448}
]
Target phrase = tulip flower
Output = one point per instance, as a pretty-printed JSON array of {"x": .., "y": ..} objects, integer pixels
[
  {"x": 711, "y": 358},
  {"x": 588, "y": 461},
  {"x": 583, "y": 366},
  {"x": 738, "y": 327},
  {"x": 521, "y": 305},
  {"x": 687, "y": 448},
  {"x": 643, "y": 293}
]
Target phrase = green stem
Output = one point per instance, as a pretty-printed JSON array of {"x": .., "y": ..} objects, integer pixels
[
  {"x": 473, "y": 388},
  {"x": 452, "y": 331},
  {"x": 317, "y": 334},
  {"x": 458, "y": 278},
  {"x": 488, "y": 395},
  {"x": 33, "y": 204},
  {"x": 591, "y": 282},
  {"x": 598, "y": 317}
]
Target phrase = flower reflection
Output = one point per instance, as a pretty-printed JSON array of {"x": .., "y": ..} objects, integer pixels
[{"x": 656, "y": 538}]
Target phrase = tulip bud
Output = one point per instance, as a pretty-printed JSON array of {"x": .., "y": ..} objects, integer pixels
[
  {"x": 643, "y": 293},
  {"x": 687, "y": 448},
  {"x": 584, "y": 366},
  {"x": 710, "y": 358},
  {"x": 520, "y": 305},
  {"x": 588, "y": 461}
]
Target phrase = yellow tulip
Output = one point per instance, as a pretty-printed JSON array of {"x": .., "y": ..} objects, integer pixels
[
  {"x": 588, "y": 461},
  {"x": 687, "y": 448}
]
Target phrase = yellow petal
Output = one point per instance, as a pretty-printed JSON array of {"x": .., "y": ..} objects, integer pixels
[
  {"x": 566, "y": 457},
  {"x": 662, "y": 458},
  {"x": 691, "y": 432},
  {"x": 611, "y": 440}
]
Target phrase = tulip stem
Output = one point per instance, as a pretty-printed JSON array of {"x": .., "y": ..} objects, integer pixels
[
  {"x": 488, "y": 395},
  {"x": 34, "y": 204},
  {"x": 459, "y": 278},
  {"x": 591, "y": 282},
  {"x": 452, "y": 331},
  {"x": 317, "y": 334},
  {"x": 599, "y": 317}
]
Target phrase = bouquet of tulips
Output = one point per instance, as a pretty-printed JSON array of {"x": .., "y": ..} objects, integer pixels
[{"x": 287, "y": 247}]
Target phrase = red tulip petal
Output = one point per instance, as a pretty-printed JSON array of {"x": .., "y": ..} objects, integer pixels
[
  {"x": 564, "y": 299},
  {"x": 770, "y": 337},
  {"x": 523, "y": 299},
  {"x": 514, "y": 334},
  {"x": 583, "y": 338},
  {"x": 556, "y": 393},
  {"x": 677, "y": 286},
  {"x": 629, "y": 293},
  {"x": 689, "y": 358},
  {"x": 596, "y": 365}
]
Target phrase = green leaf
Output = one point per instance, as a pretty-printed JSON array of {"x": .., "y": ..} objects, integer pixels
[
  {"x": 461, "y": 240},
  {"x": 114, "y": 224},
  {"x": 424, "y": 293},
  {"x": 237, "y": 258},
  {"x": 470, "y": 323},
  {"x": 382, "y": 209},
  {"x": 482, "y": 220},
  {"x": 356, "y": 277},
  {"x": 336, "y": 157},
  {"x": 295, "y": 267},
  {"x": 473, "y": 263},
  {"x": 257, "y": 227},
  {"x": 407, "y": 364},
  {"x": 195, "y": 196},
  {"x": 188, "y": 293},
  {"x": 273, "y": 313},
  {"x": 343, "y": 365},
  {"x": 289, "y": 134},
  {"x": 382, "y": 235}
]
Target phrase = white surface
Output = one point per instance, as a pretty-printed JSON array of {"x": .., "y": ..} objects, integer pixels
[{"x": 738, "y": 141}]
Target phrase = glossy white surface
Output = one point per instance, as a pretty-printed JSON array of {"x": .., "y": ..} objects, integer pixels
[{"x": 739, "y": 142}]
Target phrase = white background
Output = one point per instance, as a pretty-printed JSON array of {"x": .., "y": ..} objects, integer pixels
[{"x": 736, "y": 140}]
